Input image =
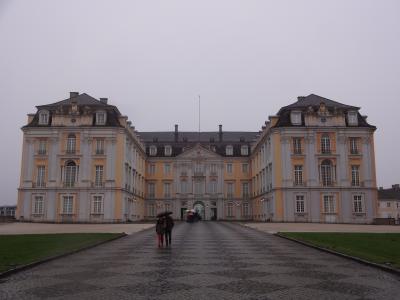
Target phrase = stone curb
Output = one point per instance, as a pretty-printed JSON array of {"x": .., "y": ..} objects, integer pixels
[
  {"x": 359, "y": 260},
  {"x": 39, "y": 262}
]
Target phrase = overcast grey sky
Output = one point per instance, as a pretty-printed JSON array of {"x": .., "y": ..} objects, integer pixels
[{"x": 245, "y": 58}]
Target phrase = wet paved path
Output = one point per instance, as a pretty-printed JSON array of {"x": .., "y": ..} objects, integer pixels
[{"x": 207, "y": 260}]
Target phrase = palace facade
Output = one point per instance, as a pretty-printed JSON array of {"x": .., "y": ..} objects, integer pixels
[{"x": 83, "y": 161}]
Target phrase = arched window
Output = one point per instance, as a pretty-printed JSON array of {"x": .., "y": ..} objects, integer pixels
[
  {"x": 71, "y": 143},
  {"x": 326, "y": 172},
  {"x": 70, "y": 173},
  {"x": 43, "y": 117},
  {"x": 325, "y": 144}
]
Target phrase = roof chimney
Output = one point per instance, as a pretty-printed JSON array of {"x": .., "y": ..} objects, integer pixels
[
  {"x": 220, "y": 133},
  {"x": 73, "y": 94},
  {"x": 176, "y": 133},
  {"x": 104, "y": 100}
]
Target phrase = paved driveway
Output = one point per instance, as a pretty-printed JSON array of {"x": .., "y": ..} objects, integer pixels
[{"x": 206, "y": 261}]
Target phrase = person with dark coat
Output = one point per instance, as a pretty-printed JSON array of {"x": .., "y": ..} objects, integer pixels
[
  {"x": 169, "y": 224},
  {"x": 160, "y": 230}
]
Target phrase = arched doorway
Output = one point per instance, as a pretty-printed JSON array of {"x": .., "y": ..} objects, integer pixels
[{"x": 200, "y": 209}]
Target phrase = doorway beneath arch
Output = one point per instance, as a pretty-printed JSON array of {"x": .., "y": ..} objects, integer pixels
[{"x": 199, "y": 207}]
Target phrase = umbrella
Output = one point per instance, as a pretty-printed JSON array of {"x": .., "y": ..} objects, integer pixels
[{"x": 164, "y": 214}]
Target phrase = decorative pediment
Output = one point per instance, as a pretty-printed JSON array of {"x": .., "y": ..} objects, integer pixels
[{"x": 198, "y": 152}]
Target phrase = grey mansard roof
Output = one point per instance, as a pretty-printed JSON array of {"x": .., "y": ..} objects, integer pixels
[{"x": 312, "y": 103}]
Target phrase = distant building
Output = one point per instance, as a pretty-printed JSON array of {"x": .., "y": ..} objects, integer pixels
[
  {"x": 84, "y": 162},
  {"x": 389, "y": 202},
  {"x": 8, "y": 210}
]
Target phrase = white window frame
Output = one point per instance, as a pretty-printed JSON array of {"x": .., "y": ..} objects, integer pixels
[
  {"x": 151, "y": 189},
  {"x": 97, "y": 207},
  {"x": 229, "y": 168},
  {"x": 295, "y": 117},
  {"x": 329, "y": 204},
  {"x": 229, "y": 150},
  {"x": 44, "y": 117},
  {"x": 153, "y": 150},
  {"x": 67, "y": 208},
  {"x": 245, "y": 190},
  {"x": 297, "y": 145},
  {"x": 41, "y": 176},
  {"x": 245, "y": 168},
  {"x": 353, "y": 145},
  {"x": 42, "y": 147},
  {"x": 99, "y": 146},
  {"x": 167, "y": 168},
  {"x": 101, "y": 117},
  {"x": 244, "y": 150},
  {"x": 300, "y": 203},
  {"x": 38, "y": 204},
  {"x": 230, "y": 209},
  {"x": 167, "y": 190},
  {"x": 246, "y": 210},
  {"x": 99, "y": 176},
  {"x": 213, "y": 186},
  {"x": 168, "y": 150},
  {"x": 326, "y": 143},
  {"x": 184, "y": 186},
  {"x": 355, "y": 175},
  {"x": 358, "y": 204},
  {"x": 71, "y": 143},
  {"x": 230, "y": 189},
  {"x": 151, "y": 210},
  {"x": 298, "y": 175},
  {"x": 352, "y": 118}
]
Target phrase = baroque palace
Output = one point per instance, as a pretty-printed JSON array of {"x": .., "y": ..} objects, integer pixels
[{"x": 83, "y": 161}]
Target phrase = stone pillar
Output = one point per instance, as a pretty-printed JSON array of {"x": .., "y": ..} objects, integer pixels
[
  {"x": 312, "y": 166},
  {"x": 342, "y": 162},
  {"x": 53, "y": 163}
]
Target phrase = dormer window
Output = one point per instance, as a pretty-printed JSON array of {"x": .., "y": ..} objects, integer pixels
[
  {"x": 244, "y": 150},
  {"x": 352, "y": 119},
  {"x": 101, "y": 117},
  {"x": 43, "y": 117},
  {"x": 295, "y": 117},
  {"x": 229, "y": 150},
  {"x": 168, "y": 150},
  {"x": 153, "y": 150}
]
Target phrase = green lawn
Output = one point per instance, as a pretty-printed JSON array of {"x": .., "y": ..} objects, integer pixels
[
  {"x": 16, "y": 250},
  {"x": 381, "y": 248}
]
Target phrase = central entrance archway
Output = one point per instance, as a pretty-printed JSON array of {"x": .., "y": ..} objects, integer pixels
[{"x": 199, "y": 207}]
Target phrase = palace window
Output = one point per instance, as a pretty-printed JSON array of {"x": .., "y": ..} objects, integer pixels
[
  {"x": 152, "y": 169},
  {"x": 213, "y": 186},
  {"x": 151, "y": 210},
  {"x": 99, "y": 176},
  {"x": 244, "y": 150},
  {"x": 353, "y": 146},
  {"x": 167, "y": 190},
  {"x": 43, "y": 117},
  {"x": 42, "y": 147},
  {"x": 167, "y": 169},
  {"x": 71, "y": 143},
  {"x": 358, "y": 204},
  {"x": 327, "y": 173},
  {"x": 230, "y": 209},
  {"x": 246, "y": 212},
  {"x": 298, "y": 175},
  {"x": 300, "y": 204},
  {"x": 295, "y": 117},
  {"x": 168, "y": 151},
  {"x": 151, "y": 190},
  {"x": 245, "y": 190},
  {"x": 355, "y": 175},
  {"x": 153, "y": 150},
  {"x": 101, "y": 117},
  {"x": 230, "y": 187},
  {"x": 70, "y": 174},
  {"x": 99, "y": 146},
  {"x": 184, "y": 187},
  {"x": 97, "y": 204},
  {"x": 352, "y": 118},
  {"x": 38, "y": 205},
  {"x": 67, "y": 204},
  {"x": 229, "y": 150},
  {"x": 41, "y": 173},
  {"x": 245, "y": 168},
  {"x": 297, "y": 145},
  {"x": 229, "y": 168},
  {"x": 329, "y": 204},
  {"x": 325, "y": 144},
  {"x": 213, "y": 168}
]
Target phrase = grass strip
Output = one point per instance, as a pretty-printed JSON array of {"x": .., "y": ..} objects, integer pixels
[
  {"x": 18, "y": 250},
  {"x": 381, "y": 248}
]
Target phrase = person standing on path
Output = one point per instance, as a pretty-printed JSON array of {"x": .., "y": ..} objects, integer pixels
[
  {"x": 160, "y": 230},
  {"x": 169, "y": 224}
]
